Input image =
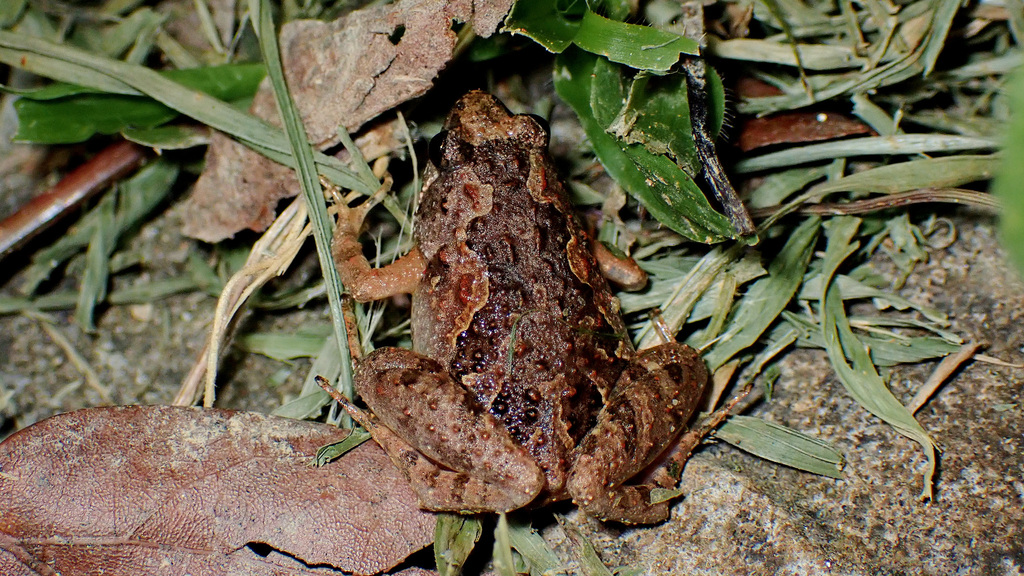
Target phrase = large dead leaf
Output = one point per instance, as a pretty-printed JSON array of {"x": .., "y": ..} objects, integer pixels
[
  {"x": 341, "y": 73},
  {"x": 167, "y": 490}
]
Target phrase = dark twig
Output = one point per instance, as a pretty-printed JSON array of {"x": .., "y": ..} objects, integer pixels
[
  {"x": 44, "y": 210},
  {"x": 713, "y": 172}
]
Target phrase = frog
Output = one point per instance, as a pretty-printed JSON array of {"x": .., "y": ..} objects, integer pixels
[{"x": 522, "y": 387}]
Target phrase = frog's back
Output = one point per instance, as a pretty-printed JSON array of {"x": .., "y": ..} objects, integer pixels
[{"x": 512, "y": 300}]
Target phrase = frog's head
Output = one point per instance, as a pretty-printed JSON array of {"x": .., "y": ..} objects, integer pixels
[{"x": 478, "y": 118}]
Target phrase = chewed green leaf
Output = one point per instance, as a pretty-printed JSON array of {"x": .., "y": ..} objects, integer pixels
[
  {"x": 553, "y": 25},
  {"x": 665, "y": 190},
  {"x": 781, "y": 444},
  {"x": 640, "y": 47},
  {"x": 557, "y": 25},
  {"x": 656, "y": 115}
]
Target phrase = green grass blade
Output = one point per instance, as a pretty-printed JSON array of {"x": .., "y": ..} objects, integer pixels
[
  {"x": 782, "y": 445},
  {"x": 93, "y": 288},
  {"x": 871, "y": 146},
  {"x": 532, "y": 547},
  {"x": 860, "y": 378},
  {"x": 312, "y": 398},
  {"x": 768, "y": 296},
  {"x": 504, "y": 563},
  {"x": 677, "y": 307},
  {"x": 455, "y": 536},
  {"x": 946, "y": 172},
  {"x": 139, "y": 196},
  {"x": 312, "y": 192},
  {"x": 281, "y": 346}
]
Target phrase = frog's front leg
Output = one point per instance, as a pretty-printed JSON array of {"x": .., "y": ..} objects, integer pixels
[
  {"x": 648, "y": 409},
  {"x": 364, "y": 282},
  {"x": 457, "y": 456}
]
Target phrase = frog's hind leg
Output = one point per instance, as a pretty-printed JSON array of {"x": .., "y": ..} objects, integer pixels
[
  {"x": 649, "y": 408},
  {"x": 457, "y": 456}
]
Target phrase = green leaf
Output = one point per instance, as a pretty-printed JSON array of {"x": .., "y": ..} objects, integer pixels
[
  {"x": 557, "y": 25},
  {"x": 782, "y": 445},
  {"x": 64, "y": 113},
  {"x": 69, "y": 64},
  {"x": 1009, "y": 182},
  {"x": 665, "y": 190},
  {"x": 455, "y": 536}
]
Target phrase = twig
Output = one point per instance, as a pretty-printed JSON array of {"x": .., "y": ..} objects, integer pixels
[{"x": 46, "y": 209}]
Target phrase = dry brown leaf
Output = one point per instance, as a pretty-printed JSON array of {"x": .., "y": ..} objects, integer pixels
[
  {"x": 169, "y": 491},
  {"x": 797, "y": 127},
  {"x": 341, "y": 73}
]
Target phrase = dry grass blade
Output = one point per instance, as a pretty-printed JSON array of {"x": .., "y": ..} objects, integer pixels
[
  {"x": 270, "y": 256},
  {"x": 859, "y": 376},
  {"x": 942, "y": 372},
  {"x": 79, "y": 361}
]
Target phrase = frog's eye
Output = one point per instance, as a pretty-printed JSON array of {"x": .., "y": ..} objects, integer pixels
[
  {"x": 436, "y": 143},
  {"x": 542, "y": 122}
]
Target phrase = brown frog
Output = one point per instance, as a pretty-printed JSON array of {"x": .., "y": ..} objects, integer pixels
[{"x": 522, "y": 387}]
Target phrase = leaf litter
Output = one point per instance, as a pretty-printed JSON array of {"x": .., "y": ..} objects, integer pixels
[
  {"x": 890, "y": 54},
  {"x": 198, "y": 491}
]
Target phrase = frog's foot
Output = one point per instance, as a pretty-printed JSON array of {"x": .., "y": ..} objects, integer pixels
[
  {"x": 650, "y": 407},
  {"x": 457, "y": 456}
]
